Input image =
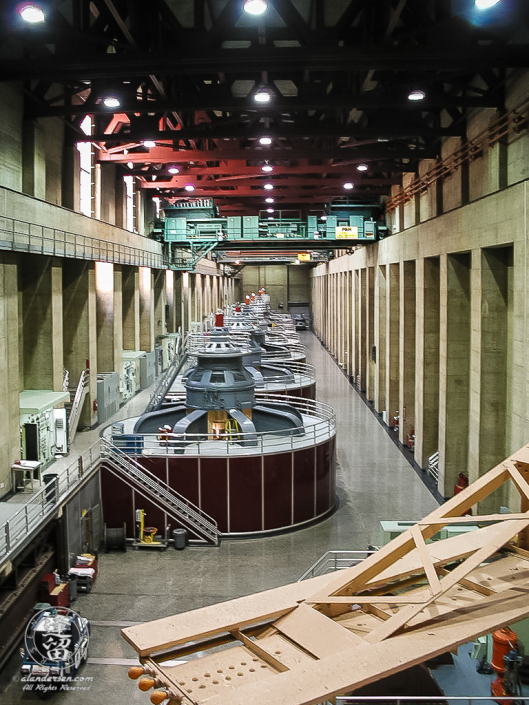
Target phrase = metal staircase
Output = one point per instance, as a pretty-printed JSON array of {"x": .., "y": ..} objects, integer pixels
[
  {"x": 188, "y": 515},
  {"x": 77, "y": 404}
]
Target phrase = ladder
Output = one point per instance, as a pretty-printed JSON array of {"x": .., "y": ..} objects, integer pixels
[{"x": 198, "y": 523}]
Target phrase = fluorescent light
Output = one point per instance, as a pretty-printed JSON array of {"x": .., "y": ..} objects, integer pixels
[
  {"x": 324, "y": 217},
  {"x": 262, "y": 95},
  {"x": 111, "y": 101},
  {"x": 130, "y": 165},
  {"x": 265, "y": 140},
  {"x": 237, "y": 261},
  {"x": 267, "y": 168},
  {"x": 485, "y": 4},
  {"x": 417, "y": 95},
  {"x": 269, "y": 199},
  {"x": 255, "y": 7},
  {"x": 189, "y": 187},
  {"x": 362, "y": 167},
  {"x": 348, "y": 185},
  {"x": 31, "y": 13},
  {"x": 149, "y": 143},
  {"x": 269, "y": 187},
  {"x": 173, "y": 169},
  {"x": 269, "y": 210}
]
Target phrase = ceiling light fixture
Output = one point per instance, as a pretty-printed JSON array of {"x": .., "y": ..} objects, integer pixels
[
  {"x": 324, "y": 217},
  {"x": 416, "y": 95},
  {"x": 237, "y": 261},
  {"x": 262, "y": 95},
  {"x": 189, "y": 187},
  {"x": 130, "y": 165},
  {"x": 269, "y": 199},
  {"x": 362, "y": 167},
  {"x": 485, "y": 4},
  {"x": 348, "y": 185},
  {"x": 111, "y": 101},
  {"x": 149, "y": 143},
  {"x": 269, "y": 210},
  {"x": 265, "y": 140},
  {"x": 255, "y": 7},
  {"x": 31, "y": 13},
  {"x": 267, "y": 168},
  {"x": 173, "y": 169},
  {"x": 269, "y": 187}
]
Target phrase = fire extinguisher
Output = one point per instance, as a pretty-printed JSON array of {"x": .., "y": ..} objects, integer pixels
[
  {"x": 462, "y": 483},
  {"x": 95, "y": 405}
]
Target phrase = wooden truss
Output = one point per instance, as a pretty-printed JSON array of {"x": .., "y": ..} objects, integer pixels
[{"x": 307, "y": 642}]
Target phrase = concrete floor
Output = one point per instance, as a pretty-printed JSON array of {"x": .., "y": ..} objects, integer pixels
[{"x": 375, "y": 482}]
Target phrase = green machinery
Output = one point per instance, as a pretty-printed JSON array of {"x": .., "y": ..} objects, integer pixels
[{"x": 193, "y": 227}]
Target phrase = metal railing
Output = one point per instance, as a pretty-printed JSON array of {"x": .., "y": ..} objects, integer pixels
[
  {"x": 332, "y": 561},
  {"x": 21, "y": 236},
  {"x": 320, "y": 425},
  {"x": 292, "y": 351},
  {"x": 21, "y": 526},
  {"x": 77, "y": 404},
  {"x": 151, "y": 487}
]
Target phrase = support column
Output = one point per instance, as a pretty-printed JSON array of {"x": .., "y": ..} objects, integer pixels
[
  {"x": 41, "y": 294},
  {"x": 490, "y": 346},
  {"x": 380, "y": 340},
  {"x": 170, "y": 308},
  {"x": 454, "y": 370},
  {"x": 407, "y": 350},
  {"x": 106, "y": 322},
  {"x": 146, "y": 309},
  {"x": 9, "y": 368},
  {"x": 159, "y": 303},
  {"x": 362, "y": 329},
  {"x": 370, "y": 334},
  {"x": 392, "y": 342},
  {"x": 80, "y": 335},
  {"x": 427, "y": 360},
  {"x": 131, "y": 308}
]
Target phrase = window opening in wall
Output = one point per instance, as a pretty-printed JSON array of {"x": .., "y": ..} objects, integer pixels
[
  {"x": 129, "y": 203},
  {"x": 85, "y": 170}
]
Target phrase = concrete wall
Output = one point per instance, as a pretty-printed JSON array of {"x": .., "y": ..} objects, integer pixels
[
  {"x": 284, "y": 283},
  {"x": 450, "y": 316}
]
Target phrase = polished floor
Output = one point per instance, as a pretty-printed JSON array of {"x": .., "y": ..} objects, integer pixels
[{"x": 375, "y": 482}]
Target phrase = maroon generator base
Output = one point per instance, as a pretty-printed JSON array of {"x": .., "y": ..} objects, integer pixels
[{"x": 245, "y": 494}]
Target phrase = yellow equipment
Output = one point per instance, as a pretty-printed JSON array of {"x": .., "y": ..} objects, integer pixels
[{"x": 146, "y": 534}]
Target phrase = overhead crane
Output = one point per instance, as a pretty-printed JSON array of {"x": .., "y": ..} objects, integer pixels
[
  {"x": 191, "y": 228},
  {"x": 307, "y": 642}
]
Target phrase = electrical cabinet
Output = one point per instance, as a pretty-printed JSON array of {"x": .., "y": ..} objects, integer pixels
[
  {"x": 250, "y": 226},
  {"x": 43, "y": 432},
  {"x": 234, "y": 227},
  {"x": 147, "y": 369},
  {"x": 108, "y": 395}
]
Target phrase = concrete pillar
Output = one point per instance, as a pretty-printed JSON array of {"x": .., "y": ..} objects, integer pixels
[
  {"x": 9, "y": 368},
  {"x": 491, "y": 305},
  {"x": 370, "y": 333},
  {"x": 41, "y": 362},
  {"x": 407, "y": 350},
  {"x": 215, "y": 294},
  {"x": 454, "y": 370},
  {"x": 146, "y": 309},
  {"x": 392, "y": 341},
  {"x": 427, "y": 360},
  {"x": 131, "y": 308},
  {"x": 170, "y": 297},
  {"x": 107, "y": 325},
  {"x": 70, "y": 171},
  {"x": 380, "y": 339},
  {"x": 159, "y": 302},
  {"x": 362, "y": 329},
  {"x": 80, "y": 333},
  {"x": 33, "y": 159},
  {"x": 355, "y": 289}
]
